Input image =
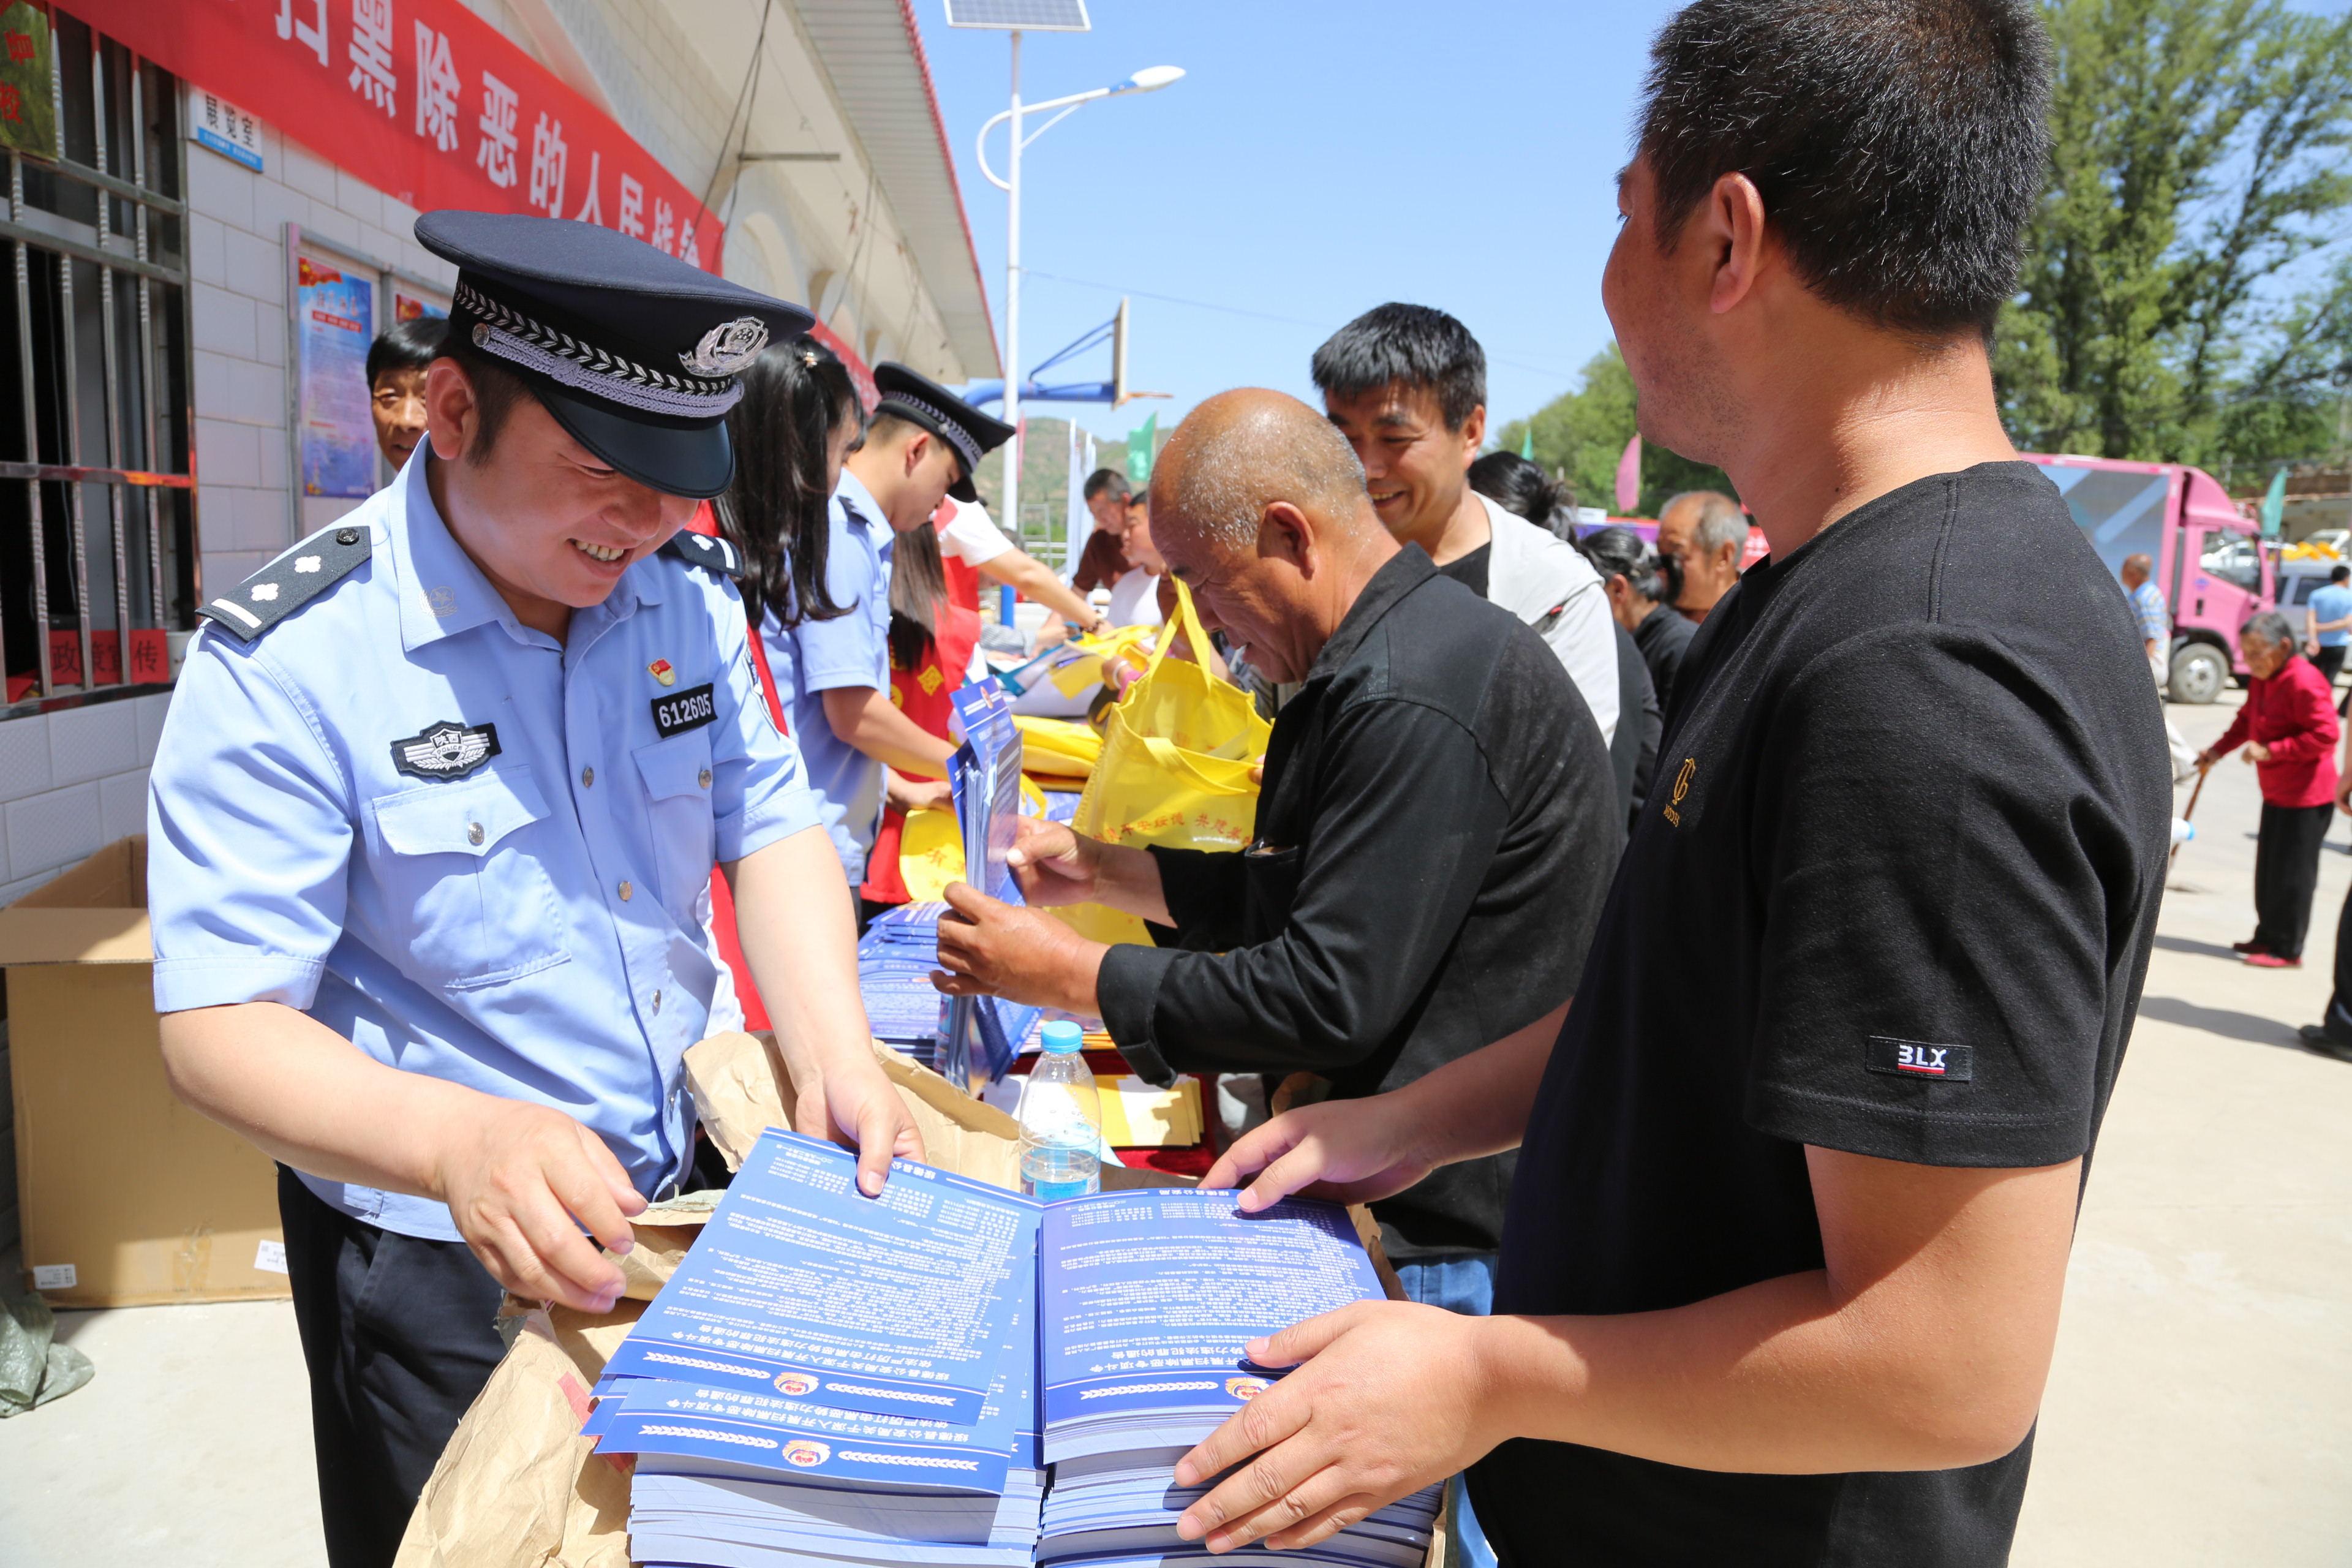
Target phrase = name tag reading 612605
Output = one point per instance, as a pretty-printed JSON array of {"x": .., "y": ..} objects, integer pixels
[{"x": 689, "y": 709}]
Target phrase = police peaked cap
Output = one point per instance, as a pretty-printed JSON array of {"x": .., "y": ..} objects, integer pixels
[
  {"x": 634, "y": 352},
  {"x": 920, "y": 400}
]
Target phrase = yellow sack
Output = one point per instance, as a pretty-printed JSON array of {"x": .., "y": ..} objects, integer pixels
[
  {"x": 1175, "y": 766},
  {"x": 1058, "y": 748}
]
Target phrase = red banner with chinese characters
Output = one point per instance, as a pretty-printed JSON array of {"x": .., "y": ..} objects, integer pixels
[{"x": 424, "y": 101}]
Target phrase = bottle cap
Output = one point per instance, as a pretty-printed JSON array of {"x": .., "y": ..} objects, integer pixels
[{"x": 1061, "y": 1038}]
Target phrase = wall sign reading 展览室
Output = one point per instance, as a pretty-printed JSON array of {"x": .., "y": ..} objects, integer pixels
[{"x": 214, "y": 123}]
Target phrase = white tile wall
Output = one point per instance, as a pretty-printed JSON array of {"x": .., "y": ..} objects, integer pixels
[
  {"x": 72, "y": 782},
  {"x": 93, "y": 742},
  {"x": 49, "y": 832},
  {"x": 244, "y": 504},
  {"x": 122, "y": 805}
]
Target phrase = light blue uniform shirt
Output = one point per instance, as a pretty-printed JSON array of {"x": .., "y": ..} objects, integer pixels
[
  {"x": 534, "y": 929},
  {"x": 2155, "y": 621},
  {"x": 2332, "y": 603},
  {"x": 851, "y": 650}
]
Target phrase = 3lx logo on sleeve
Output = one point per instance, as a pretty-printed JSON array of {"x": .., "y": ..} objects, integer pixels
[
  {"x": 1916, "y": 1059},
  {"x": 449, "y": 750},
  {"x": 689, "y": 710}
]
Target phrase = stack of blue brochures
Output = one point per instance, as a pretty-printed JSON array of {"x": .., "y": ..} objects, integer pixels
[
  {"x": 1146, "y": 1300},
  {"x": 835, "y": 1376},
  {"x": 844, "y": 1380},
  {"x": 895, "y": 960}
]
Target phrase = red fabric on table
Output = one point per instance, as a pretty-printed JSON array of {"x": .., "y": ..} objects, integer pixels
[
  {"x": 922, "y": 694},
  {"x": 2293, "y": 714}
]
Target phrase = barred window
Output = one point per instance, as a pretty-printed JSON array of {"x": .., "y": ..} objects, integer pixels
[{"x": 97, "y": 560}]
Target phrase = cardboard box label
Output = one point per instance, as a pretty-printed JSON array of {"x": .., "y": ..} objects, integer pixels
[
  {"x": 55, "y": 1277},
  {"x": 270, "y": 1256}
]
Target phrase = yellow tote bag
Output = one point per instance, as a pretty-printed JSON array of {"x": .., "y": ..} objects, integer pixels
[
  {"x": 1176, "y": 758},
  {"x": 1059, "y": 749},
  {"x": 931, "y": 847}
]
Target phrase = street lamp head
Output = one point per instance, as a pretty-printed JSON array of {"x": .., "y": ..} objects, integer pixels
[{"x": 1150, "y": 79}]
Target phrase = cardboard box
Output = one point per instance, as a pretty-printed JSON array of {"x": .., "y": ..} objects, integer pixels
[{"x": 129, "y": 1199}]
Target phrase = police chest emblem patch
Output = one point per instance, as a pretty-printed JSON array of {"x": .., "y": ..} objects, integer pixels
[
  {"x": 1915, "y": 1058},
  {"x": 689, "y": 709},
  {"x": 449, "y": 750}
]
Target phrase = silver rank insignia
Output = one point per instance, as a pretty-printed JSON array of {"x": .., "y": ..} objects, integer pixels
[{"x": 449, "y": 750}]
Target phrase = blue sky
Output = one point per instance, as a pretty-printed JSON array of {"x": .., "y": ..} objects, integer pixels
[{"x": 1320, "y": 156}]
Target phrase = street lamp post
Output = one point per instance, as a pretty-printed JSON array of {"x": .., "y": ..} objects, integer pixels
[{"x": 1149, "y": 80}]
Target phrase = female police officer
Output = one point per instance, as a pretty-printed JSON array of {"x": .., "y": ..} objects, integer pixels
[{"x": 432, "y": 828}]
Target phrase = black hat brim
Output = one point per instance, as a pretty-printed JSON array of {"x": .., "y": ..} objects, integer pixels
[
  {"x": 677, "y": 457},
  {"x": 962, "y": 488}
]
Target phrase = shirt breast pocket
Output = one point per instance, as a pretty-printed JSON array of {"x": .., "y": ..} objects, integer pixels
[
  {"x": 677, "y": 773},
  {"x": 458, "y": 869}
]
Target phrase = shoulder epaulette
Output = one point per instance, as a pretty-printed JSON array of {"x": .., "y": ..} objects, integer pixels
[
  {"x": 289, "y": 583},
  {"x": 706, "y": 551}
]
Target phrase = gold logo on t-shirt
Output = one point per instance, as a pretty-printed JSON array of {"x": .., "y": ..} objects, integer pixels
[{"x": 1681, "y": 788}]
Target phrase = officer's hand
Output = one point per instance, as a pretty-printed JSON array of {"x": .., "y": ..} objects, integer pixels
[
  {"x": 1052, "y": 864},
  {"x": 521, "y": 1181},
  {"x": 991, "y": 949},
  {"x": 1347, "y": 1151},
  {"x": 864, "y": 1112}
]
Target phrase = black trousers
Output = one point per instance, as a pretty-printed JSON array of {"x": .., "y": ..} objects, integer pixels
[
  {"x": 400, "y": 1336},
  {"x": 2329, "y": 662},
  {"x": 2287, "y": 870}
]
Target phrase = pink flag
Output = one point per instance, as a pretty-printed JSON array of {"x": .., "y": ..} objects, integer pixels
[{"x": 1629, "y": 477}]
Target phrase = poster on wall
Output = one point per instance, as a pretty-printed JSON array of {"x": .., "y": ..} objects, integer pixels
[
  {"x": 27, "y": 119},
  {"x": 408, "y": 307},
  {"x": 335, "y": 322}
]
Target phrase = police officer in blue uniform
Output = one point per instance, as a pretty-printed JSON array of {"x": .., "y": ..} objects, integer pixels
[
  {"x": 431, "y": 832},
  {"x": 833, "y": 676}
]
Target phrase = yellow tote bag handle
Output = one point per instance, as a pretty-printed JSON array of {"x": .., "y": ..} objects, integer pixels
[{"x": 1225, "y": 777}]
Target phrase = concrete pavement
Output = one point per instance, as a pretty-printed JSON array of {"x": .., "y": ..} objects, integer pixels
[{"x": 2199, "y": 1410}]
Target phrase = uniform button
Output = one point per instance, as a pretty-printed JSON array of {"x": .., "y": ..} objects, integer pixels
[
  {"x": 473, "y": 833},
  {"x": 625, "y": 891},
  {"x": 704, "y": 778},
  {"x": 587, "y": 777},
  {"x": 347, "y": 536},
  {"x": 657, "y": 1001}
]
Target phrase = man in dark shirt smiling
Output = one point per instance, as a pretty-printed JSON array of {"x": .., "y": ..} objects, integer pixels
[
  {"x": 1436, "y": 830},
  {"x": 1787, "y": 1241}
]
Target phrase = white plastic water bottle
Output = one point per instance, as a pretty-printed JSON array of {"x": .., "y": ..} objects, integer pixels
[{"x": 1061, "y": 1122}]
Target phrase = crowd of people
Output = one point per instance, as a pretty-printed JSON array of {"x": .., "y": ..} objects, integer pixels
[{"x": 1720, "y": 975}]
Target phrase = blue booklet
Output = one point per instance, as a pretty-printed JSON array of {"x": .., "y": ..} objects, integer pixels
[{"x": 801, "y": 1286}]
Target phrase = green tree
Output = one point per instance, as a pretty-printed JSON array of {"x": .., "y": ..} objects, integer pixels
[
  {"x": 2168, "y": 308},
  {"x": 1581, "y": 435}
]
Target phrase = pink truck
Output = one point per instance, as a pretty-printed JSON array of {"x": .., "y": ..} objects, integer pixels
[{"x": 2209, "y": 564}]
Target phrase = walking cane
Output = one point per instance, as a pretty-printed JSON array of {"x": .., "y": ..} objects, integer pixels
[{"x": 2189, "y": 815}]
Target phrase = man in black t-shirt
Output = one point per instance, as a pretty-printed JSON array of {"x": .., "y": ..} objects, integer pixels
[{"x": 1781, "y": 1270}]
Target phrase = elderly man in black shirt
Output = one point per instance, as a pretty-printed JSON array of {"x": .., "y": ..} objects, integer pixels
[{"x": 1436, "y": 830}]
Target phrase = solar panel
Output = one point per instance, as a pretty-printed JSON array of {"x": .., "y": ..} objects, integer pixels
[{"x": 1027, "y": 15}]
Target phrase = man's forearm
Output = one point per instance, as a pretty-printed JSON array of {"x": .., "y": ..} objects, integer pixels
[
  {"x": 1821, "y": 1371},
  {"x": 865, "y": 719},
  {"x": 313, "y": 1100},
  {"x": 1478, "y": 1105},
  {"x": 1027, "y": 575},
  {"x": 1128, "y": 880},
  {"x": 793, "y": 916}
]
